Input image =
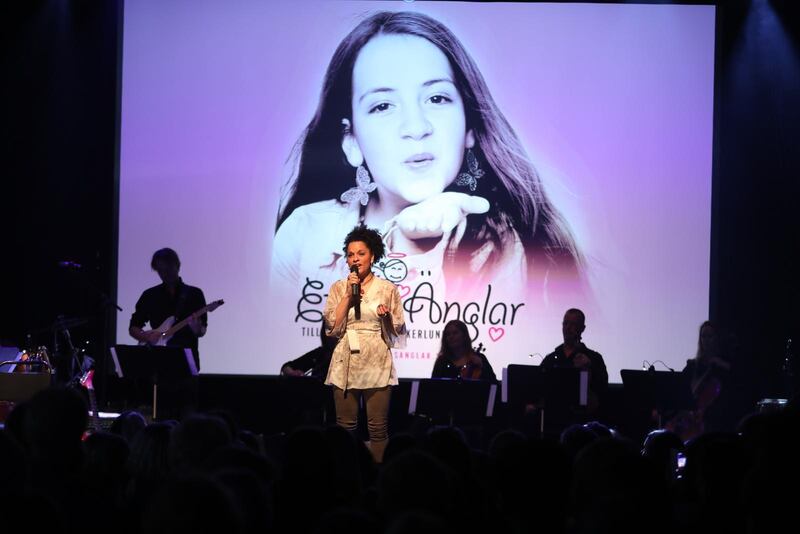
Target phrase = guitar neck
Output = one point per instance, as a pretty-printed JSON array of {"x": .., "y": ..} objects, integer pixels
[
  {"x": 93, "y": 408},
  {"x": 86, "y": 381},
  {"x": 184, "y": 322},
  {"x": 171, "y": 332}
]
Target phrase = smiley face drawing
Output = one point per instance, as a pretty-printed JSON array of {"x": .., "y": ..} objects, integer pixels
[{"x": 393, "y": 268}]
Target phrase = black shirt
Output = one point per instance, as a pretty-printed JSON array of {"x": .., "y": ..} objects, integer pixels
[
  {"x": 157, "y": 305},
  {"x": 598, "y": 377}
]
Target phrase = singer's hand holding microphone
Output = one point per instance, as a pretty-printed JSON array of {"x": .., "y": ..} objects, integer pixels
[
  {"x": 355, "y": 290},
  {"x": 355, "y": 283}
]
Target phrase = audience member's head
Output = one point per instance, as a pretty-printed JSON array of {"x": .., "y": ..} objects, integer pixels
[
  {"x": 532, "y": 471},
  {"x": 106, "y": 456},
  {"x": 192, "y": 503},
  {"x": 347, "y": 521},
  {"x": 251, "y": 495},
  {"x": 13, "y": 466},
  {"x": 448, "y": 445},
  {"x": 195, "y": 439},
  {"x": 54, "y": 422},
  {"x": 600, "y": 429},
  {"x": 575, "y": 437},
  {"x": 415, "y": 480},
  {"x": 614, "y": 488},
  {"x": 661, "y": 447},
  {"x": 229, "y": 419},
  {"x": 419, "y": 522},
  {"x": 15, "y": 423},
  {"x": 398, "y": 444},
  {"x": 149, "y": 456},
  {"x": 347, "y": 467},
  {"x": 128, "y": 425},
  {"x": 234, "y": 457},
  {"x": 503, "y": 441},
  {"x": 305, "y": 489}
]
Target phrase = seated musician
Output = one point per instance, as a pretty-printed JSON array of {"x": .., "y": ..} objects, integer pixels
[
  {"x": 457, "y": 358},
  {"x": 315, "y": 362},
  {"x": 708, "y": 366},
  {"x": 706, "y": 373}
]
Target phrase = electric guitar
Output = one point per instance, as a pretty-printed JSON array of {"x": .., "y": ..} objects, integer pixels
[
  {"x": 86, "y": 381},
  {"x": 168, "y": 328}
]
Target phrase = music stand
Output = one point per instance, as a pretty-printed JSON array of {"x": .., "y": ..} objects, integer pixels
[
  {"x": 556, "y": 388},
  {"x": 659, "y": 390},
  {"x": 456, "y": 400},
  {"x": 159, "y": 364}
]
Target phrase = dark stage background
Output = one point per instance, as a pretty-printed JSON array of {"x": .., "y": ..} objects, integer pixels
[{"x": 60, "y": 111}]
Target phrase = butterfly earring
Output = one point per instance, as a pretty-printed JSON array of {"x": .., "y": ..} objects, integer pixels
[
  {"x": 364, "y": 186},
  {"x": 473, "y": 173}
]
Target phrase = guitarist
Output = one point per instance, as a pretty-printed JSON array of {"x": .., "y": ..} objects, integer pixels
[{"x": 170, "y": 298}]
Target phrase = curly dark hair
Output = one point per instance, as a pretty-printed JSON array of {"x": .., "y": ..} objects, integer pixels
[{"x": 372, "y": 238}]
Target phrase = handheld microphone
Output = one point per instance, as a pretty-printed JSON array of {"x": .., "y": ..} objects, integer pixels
[{"x": 355, "y": 291}]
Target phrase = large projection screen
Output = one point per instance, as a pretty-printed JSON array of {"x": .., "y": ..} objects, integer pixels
[{"x": 611, "y": 105}]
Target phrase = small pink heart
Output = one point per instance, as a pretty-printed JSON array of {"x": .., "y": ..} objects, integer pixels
[
  {"x": 404, "y": 290},
  {"x": 496, "y": 332}
]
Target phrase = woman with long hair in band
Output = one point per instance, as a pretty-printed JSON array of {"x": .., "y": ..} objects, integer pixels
[{"x": 457, "y": 359}]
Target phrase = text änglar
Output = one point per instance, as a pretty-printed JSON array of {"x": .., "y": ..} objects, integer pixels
[
  {"x": 422, "y": 302},
  {"x": 472, "y": 313}
]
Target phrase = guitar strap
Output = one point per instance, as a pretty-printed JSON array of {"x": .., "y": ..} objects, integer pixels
[{"x": 180, "y": 304}]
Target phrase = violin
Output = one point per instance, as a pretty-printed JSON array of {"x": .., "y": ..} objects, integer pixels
[
  {"x": 472, "y": 370},
  {"x": 705, "y": 390}
]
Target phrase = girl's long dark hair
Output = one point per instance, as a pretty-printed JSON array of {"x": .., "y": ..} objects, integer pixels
[
  {"x": 511, "y": 184},
  {"x": 444, "y": 350},
  {"x": 701, "y": 355}
]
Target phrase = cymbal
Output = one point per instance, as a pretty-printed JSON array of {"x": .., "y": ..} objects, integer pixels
[{"x": 63, "y": 323}]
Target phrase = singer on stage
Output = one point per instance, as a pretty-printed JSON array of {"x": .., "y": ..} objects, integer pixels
[{"x": 366, "y": 314}]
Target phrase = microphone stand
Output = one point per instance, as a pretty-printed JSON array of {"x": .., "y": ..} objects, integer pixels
[{"x": 108, "y": 306}]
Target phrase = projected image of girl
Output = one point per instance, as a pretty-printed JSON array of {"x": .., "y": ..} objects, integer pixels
[{"x": 407, "y": 138}]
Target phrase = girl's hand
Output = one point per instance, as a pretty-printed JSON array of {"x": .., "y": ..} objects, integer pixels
[
  {"x": 383, "y": 311},
  {"x": 439, "y": 214}
]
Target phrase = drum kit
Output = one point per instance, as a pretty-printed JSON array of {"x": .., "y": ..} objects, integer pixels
[
  {"x": 52, "y": 355},
  {"x": 37, "y": 367}
]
